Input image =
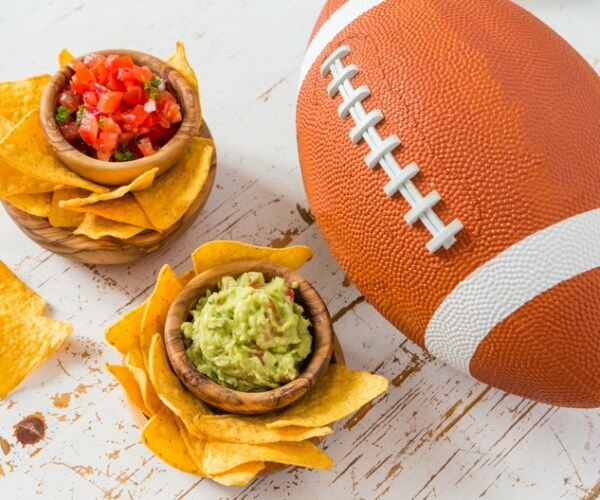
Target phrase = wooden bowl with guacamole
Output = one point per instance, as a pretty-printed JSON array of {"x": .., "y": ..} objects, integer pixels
[{"x": 249, "y": 337}]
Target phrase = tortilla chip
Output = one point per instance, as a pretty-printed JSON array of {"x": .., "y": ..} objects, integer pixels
[
  {"x": 134, "y": 363},
  {"x": 339, "y": 392},
  {"x": 240, "y": 475},
  {"x": 218, "y": 253},
  {"x": 22, "y": 96},
  {"x": 161, "y": 436},
  {"x": 179, "y": 61},
  {"x": 14, "y": 182},
  {"x": 125, "y": 210},
  {"x": 141, "y": 182},
  {"x": 157, "y": 306},
  {"x": 64, "y": 56},
  {"x": 26, "y": 149},
  {"x": 220, "y": 456},
  {"x": 16, "y": 297},
  {"x": 125, "y": 333},
  {"x": 168, "y": 387},
  {"x": 5, "y": 126},
  {"x": 129, "y": 385},
  {"x": 26, "y": 341},
  {"x": 186, "y": 277},
  {"x": 194, "y": 446},
  {"x": 34, "y": 204},
  {"x": 172, "y": 194},
  {"x": 251, "y": 429},
  {"x": 59, "y": 217},
  {"x": 96, "y": 227}
]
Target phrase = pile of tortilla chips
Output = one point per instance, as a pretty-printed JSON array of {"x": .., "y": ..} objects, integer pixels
[
  {"x": 26, "y": 337},
  {"x": 34, "y": 181},
  {"x": 188, "y": 435}
]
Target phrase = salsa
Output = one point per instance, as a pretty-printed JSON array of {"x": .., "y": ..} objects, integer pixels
[
  {"x": 249, "y": 335},
  {"x": 114, "y": 110}
]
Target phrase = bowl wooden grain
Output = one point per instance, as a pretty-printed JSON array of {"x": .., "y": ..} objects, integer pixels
[
  {"x": 231, "y": 400},
  {"x": 119, "y": 173},
  {"x": 109, "y": 250}
]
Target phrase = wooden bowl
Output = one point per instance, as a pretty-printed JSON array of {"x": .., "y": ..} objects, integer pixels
[
  {"x": 231, "y": 400},
  {"x": 110, "y": 250},
  {"x": 119, "y": 173}
]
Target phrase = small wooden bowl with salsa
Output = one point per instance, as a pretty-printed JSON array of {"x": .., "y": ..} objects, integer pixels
[
  {"x": 117, "y": 132},
  {"x": 236, "y": 401}
]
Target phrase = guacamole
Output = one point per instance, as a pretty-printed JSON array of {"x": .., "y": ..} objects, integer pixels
[{"x": 249, "y": 335}]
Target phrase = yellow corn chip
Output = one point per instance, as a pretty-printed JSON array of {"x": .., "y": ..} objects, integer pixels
[
  {"x": 5, "y": 126},
  {"x": 194, "y": 446},
  {"x": 34, "y": 204},
  {"x": 16, "y": 297},
  {"x": 161, "y": 436},
  {"x": 64, "y": 56},
  {"x": 14, "y": 182},
  {"x": 134, "y": 363},
  {"x": 168, "y": 387},
  {"x": 125, "y": 210},
  {"x": 96, "y": 227},
  {"x": 20, "y": 97},
  {"x": 125, "y": 333},
  {"x": 218, "y": 253},
  {"x": 186, "y": 277},
  {"x": 157, "y": 306},
  {"x": 25, "y": 342},
  {"x": 339, "y": 392},
  {"x": 141, "y": 182},
  {"x": 240, "y": 475},
  {"x": 250, "y": 429},
  {"x": 179, "y": 61},
  {"x": 173, "y": 192},
  {"x": 220, "y": 456},
  {"x": 59, "y": 217},
  {"x": 130, "y": 386},
  {"x": 26, "y": 149}
]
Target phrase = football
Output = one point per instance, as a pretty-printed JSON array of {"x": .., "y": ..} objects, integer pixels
[{"x": 450, "y": 151}]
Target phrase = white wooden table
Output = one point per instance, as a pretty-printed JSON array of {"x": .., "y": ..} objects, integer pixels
[{"x": 436, "y": 433}]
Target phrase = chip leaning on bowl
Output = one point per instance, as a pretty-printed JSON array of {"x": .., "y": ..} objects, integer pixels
[
  {"x": 33, "y": 180},
  {"x": 187, "y": 434}
]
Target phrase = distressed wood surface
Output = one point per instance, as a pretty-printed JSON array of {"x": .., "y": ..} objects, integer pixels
[{"x": 436, "y": 433}]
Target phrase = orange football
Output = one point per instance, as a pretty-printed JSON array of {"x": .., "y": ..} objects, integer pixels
[{"x": 451, "y": 155}]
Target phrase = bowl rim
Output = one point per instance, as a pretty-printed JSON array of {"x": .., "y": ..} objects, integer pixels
[
  {"x": 240, "y": 402},
  {"x": 176, "y": 146}
]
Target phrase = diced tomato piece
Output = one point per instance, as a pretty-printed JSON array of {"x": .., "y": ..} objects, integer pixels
[
  {"x": 145, "y": 146},
  {"x": 76, "y": 65},
  {"x": 133, "y": 95},
  {"x": 164, "y": 97},
  {"x": 109, "y": 102},
  {"x": 101, "y": 73},
  {"x": 116, "y": 62},
  {"x": 171, "y": 112},
  {"x": 93, "y": 59},
  {"x": 113, "y": 83},
  {"x": 69, "y": 130},
  {"x": 124, "y": 74},
  {"x": 69, "y": 99},
  {"x": 90, "y": 99},
  {"x": 106, "y": 143},
  {"x": 137, "y": 115},
  {"x": 83, "y": 80},
  {"x": 110, "y": 126},
  {"x": 141, "y": 73},
  {"x": 88, "y": 129},
  {"x": 126, "y": 137}
]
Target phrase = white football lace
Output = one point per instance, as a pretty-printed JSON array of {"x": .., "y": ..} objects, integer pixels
[{"x": 421, "y": 207}]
